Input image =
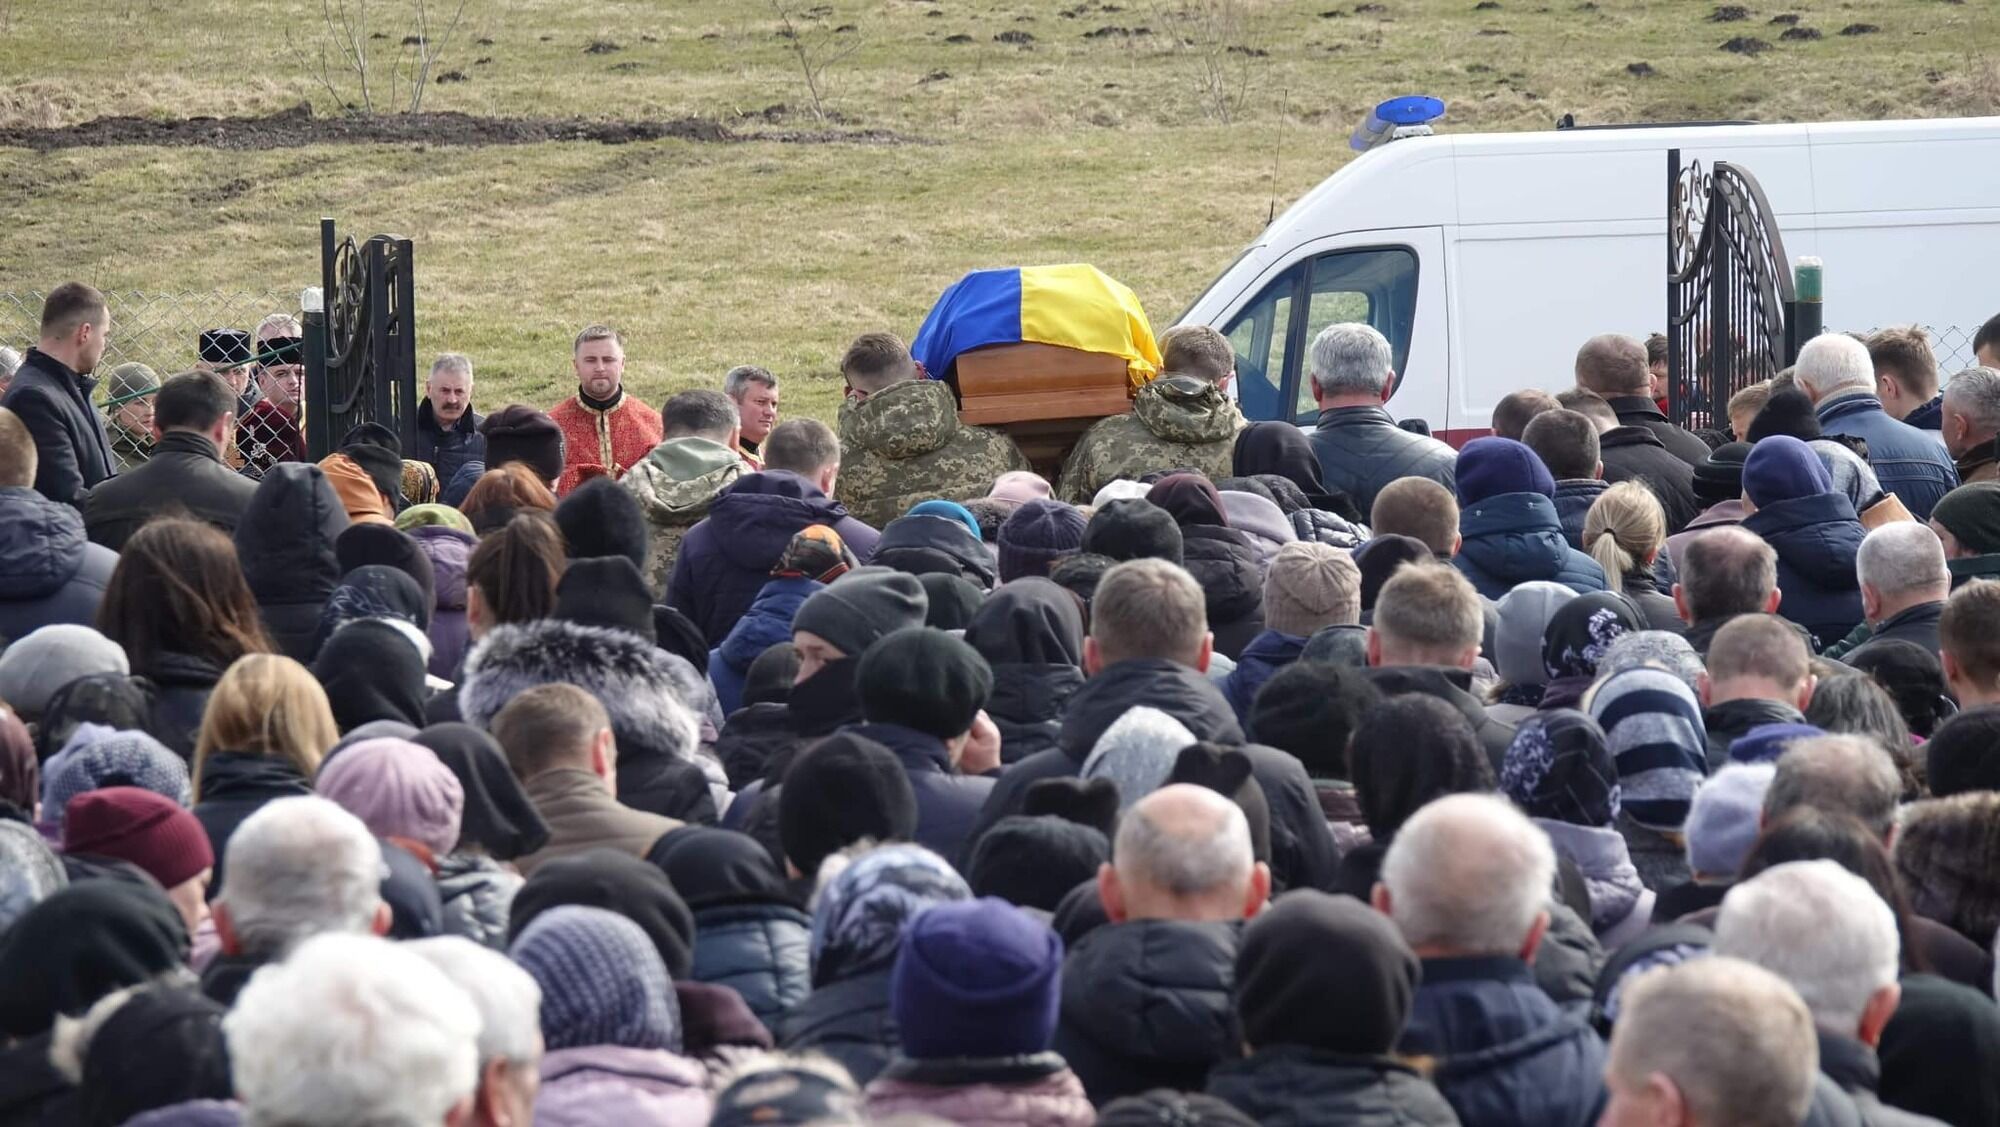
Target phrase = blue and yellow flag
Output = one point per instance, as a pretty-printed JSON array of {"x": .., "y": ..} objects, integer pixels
[{"x": 1075, "y": 306}]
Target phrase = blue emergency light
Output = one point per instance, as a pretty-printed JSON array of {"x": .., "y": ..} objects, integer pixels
[{"x": 1407, "y": 116}]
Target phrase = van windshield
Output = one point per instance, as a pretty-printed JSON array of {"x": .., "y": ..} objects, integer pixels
[{"x": 1273, "y": 334}]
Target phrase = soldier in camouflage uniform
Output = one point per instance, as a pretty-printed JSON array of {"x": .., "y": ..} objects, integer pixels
[
  {"x": 900, "y": 438},
  {"x": 128, "y": 414},
  {"x": 1182, "y": 420},
  {"x": 679, "y": 479}
]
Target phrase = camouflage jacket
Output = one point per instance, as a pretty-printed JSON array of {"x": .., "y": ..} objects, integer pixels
[
  {"x": 675, "y": 485},
  {"x": 904, "y": 444},
  {"x": 1176, "y": 422}
]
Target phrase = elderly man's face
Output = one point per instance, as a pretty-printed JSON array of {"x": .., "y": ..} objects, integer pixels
[
  {"x": 450, "y": 392},
  {"x": 758, "y": 410}
]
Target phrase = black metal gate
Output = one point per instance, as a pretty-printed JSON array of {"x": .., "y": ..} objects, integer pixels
[
  {"x": 361, "y": 349},
  {"x": 1730, "y": 298}
]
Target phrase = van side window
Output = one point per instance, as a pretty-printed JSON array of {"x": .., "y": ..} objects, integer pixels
[{"x": 1273, "y": 334}]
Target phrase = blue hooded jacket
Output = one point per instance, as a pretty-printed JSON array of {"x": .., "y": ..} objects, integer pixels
[
  {"x": 1816, "y": 538},
  {"x": 1513, "y": 538},
  {"x": 765, "y": 624}
]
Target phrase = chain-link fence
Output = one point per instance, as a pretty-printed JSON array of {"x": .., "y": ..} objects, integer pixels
[{"x": 156, "y": 335}]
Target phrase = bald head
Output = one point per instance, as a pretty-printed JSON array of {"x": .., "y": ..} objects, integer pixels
[
  {"x": 1613, "y": 364},
  {"x": 1183, "y": 853}
]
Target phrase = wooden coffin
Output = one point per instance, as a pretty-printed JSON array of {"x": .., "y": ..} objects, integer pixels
[{"x": 1043, "y": 395}]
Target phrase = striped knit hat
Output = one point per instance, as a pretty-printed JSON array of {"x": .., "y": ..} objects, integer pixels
[
  {"x": 1653, "y": 723},
  {"x": 602, "y": 981}
]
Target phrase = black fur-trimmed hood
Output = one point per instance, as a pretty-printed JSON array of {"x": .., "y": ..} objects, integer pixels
[{"x": 634, "y": 680}]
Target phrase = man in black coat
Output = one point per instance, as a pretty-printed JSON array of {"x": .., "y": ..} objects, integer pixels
[
  {"x": 1635, "y": 452},
  {"x": 51, "y": 394},
  {"x": 193, "y": 416},
  {"x": 1360, "y": 447},
  {"x": 1757, "y": 674},
  {"x": 447, "y": 431},
  {"x": 1425, "y": 639},
  {"x": 1904, "y": 583},
  {"x": 1149, "y": 645},
  {"x": 1614, "y": 366}
]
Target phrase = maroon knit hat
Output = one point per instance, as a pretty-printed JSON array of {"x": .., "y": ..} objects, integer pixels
[{"x": 138, "y": 826}]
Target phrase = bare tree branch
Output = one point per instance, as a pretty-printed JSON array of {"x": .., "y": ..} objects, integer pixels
[{"x": 815, "y": 52}]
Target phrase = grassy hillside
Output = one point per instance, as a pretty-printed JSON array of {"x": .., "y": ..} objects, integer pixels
[{"x": 1149, "y": 138}]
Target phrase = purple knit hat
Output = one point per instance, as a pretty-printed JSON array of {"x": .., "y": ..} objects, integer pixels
[{"x": 398, "y": 789}]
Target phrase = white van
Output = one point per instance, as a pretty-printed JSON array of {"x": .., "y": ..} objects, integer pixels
[{"x": 1487, "y": 259}]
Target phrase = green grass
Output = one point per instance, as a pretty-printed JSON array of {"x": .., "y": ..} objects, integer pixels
[{"x": 1102, "y": 150}]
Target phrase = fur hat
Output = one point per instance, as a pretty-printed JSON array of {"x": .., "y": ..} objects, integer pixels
[
  {"x": 602, "y": 518},
  {"x": 839, "y": 791},
  {"x": 651, "y": 710},
  {"x": 519, "y": 433}
]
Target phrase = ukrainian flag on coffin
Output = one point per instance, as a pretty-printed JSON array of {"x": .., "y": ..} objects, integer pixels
[{"x": 1075, "y": 306}]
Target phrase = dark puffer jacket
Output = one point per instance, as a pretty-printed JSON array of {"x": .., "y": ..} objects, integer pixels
[
  {"x": 757, "y": 950},
  {"x": 1261, "y": 660},
  {"x": 285, "y": 541},
  {"x": 1816, "y": 538},
  {"x": 726, "y": 558},
  {"x": 948, "y": 803},
  {"x": 1293, "y": 1086},
  {"x": 1909, "y": 462},
  {"x": 234, "y": 786},
  {"x": 850, "y": 1021},
  {"x": 1146, "y": 1004},
  {"x": 1514, "y": 538},
  {"x": 476, "y": 894},
  {"x": 449, "y": 550},
  {"x": 1027, "y": 706},
  {"x": 1573, "y": 499},
  {"x": 1361, "y": 449},
  {"x": 1506, "y": 1055},
  {"x": 49, "y": 574},
  {"x": 1224, "y": 562},
  {"x": 767, "y": 623}
]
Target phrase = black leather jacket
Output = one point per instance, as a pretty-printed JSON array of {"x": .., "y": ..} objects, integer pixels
[{"x": 1361, "y": 449}]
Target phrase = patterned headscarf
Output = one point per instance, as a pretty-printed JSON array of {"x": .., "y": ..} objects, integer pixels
[
  {"x": 859, "y": 914},
  {"x": 1559, "y": 767},
  {"x": 1582, "y": 630}
]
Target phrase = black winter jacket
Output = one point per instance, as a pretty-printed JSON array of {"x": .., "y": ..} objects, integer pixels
[
  {"x": 1507, "y": 1055},
  {"x": 72, "y": 450},
  {"x": 447, "y": 449},
  {"x": 181, "y": 685},
  {"x": 1454, "y": 687},
  {"x": 1027, "y": 706},
  {"x": 184, "y": 475},
  {"x": 1293, "y": 1086},
  {"x": 285, "y": 541},
  {"x": 1644, "y": 590},
  {"x": 948, "y": 803},
  {"x": 1729, "y": 721},
  {"x": 1224, "y": 562},
  {"x": 1918, "y": 624},
  {"x": 1361, "y": 449},
  {"x": 49, "y": 574},
  {"x": 235, "y": 786},
  {"x": 1816, "y": 538},
  {"x": 758, "y": 950},
  {"x": 1636, "y": 453},
  {"x": 1146, "y": 1004},
  {"x": 1640, "y": 411},
  {"x": 849, "y": 1021}
]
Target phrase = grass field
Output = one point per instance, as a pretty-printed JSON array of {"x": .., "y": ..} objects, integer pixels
[{"x": 1032, "y": 134}]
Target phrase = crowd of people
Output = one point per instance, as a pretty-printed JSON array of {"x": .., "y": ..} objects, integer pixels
[{"x": 610, "y": 766}]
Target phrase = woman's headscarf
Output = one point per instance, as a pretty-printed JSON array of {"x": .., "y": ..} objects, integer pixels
[
  {"x": 1030, "y": 621},
  {"x": 602, "y": 982},
  {"x": 617, "y": 882},
  {"x": 1191, "y": 499},
  {"x": 498, "y": 816},
  {"x": 1559, "y": 767},
  {"x": 1277, "y": 448},
  {"x": 1581, "y": 630},
  {"x": 859, "y": 915},
  {"x": 373, "y": 671},
  {"x": 711, "y": 867},
  {"x": 1653, "y": 724}
]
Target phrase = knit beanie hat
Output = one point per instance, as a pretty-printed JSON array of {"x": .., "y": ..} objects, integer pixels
[
  {"x": 1131, "y": 530},
  {"x": 154, "y": 833},
  {"x": 1971, "y": 513},
  {"x": 34, "y": 666},
  {"x": 97, "y": 757},
  {"x": 1766, "y": 742},
  {"x": 950, "y": 510},
  {"x": 837, "y": 792},
  {"x": 605, "y": 591},
  {"x": 1034, "y": 861},
  {"x": 1660, "y": 649},
  {"x": 1324, "y": 972},
  {"x": 814, "y": 552},
  {"x": 862, "y": 607},
  {"x": 397, "y": 789},
  {"x": 426, "y": 516},
  {"x": 1163, "y": 1107},
  {"x": 1654, "y": 726},
  {"x": 1040, "y": 532},
  {"x": 950, "y": 601},
  {"x": 1781, "y": 468},
  {"x": 1137, "y": 752},
  {"x": 602, "y": 518},
  {"x": 519, "y": 433},
  {"x": 923, "y": 679},
  {"x": 1719, "y": 477},
  {"x": 1491, "y": 466},
  {"x": 1724, "y": 819},
  {"x": 1310, "y": 585},
  {"x": 1525, "y": 612},
  {"x": 976, "y": 978},
  {"x": 1788, "y": 412},
  {"x": 602, "y": 982},
  {"x": 619, "y": 882},
  {"x": 1964, "y": 753},
  {"x": 362, "y": 545},
  {"x": 1381, "y": 557},
  {"x": 786, "y": 1091},
  {"x": 1018, "y": 487},
  {"x": 1227, "y": 772}
]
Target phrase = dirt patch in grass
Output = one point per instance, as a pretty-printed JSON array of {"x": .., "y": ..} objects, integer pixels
[{"x": 298, "y": 127}]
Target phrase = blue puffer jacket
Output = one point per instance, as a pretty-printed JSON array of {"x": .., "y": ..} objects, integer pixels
[
  {"x": 765, "y": 624},
  {"x": 1506, "y": 1055},
  {"x": 1910, "y": 463},
  {"x": 1573, "y": 499},
  {"x": 758, "y": 950},
  {"x": 1512, "y": 538},
  {"x": 1816, "y": 539},
  {"x": 1267, "y": 653}
]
